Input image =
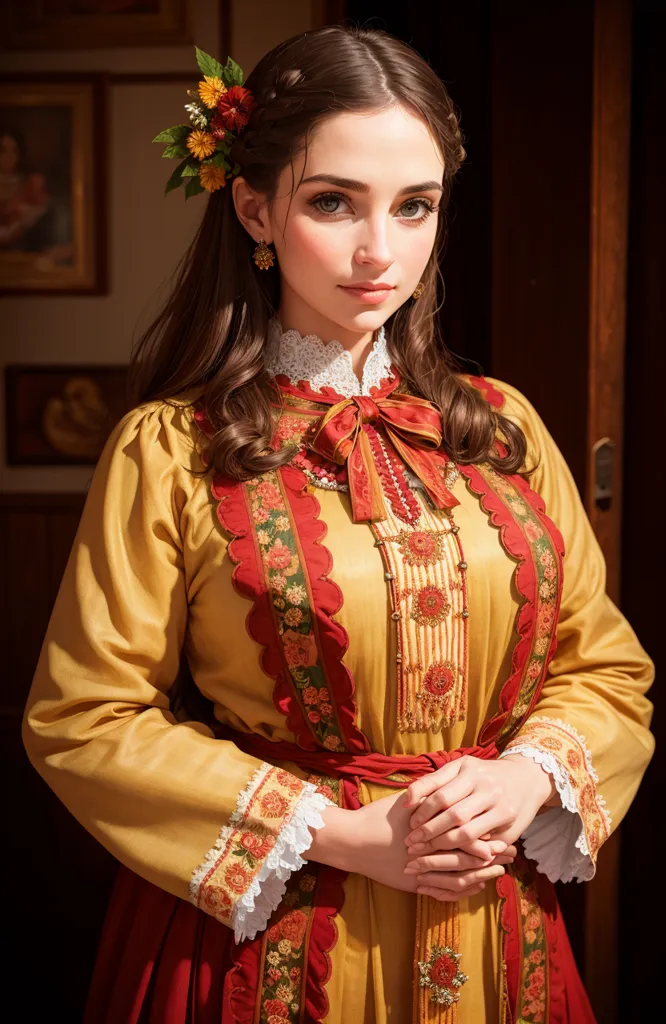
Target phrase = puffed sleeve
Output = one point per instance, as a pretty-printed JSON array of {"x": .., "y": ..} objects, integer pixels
[
  {"x": 183, "y": 809},
  {"x": 590, "y": 728}
]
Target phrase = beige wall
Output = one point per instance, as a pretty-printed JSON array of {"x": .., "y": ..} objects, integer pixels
[{"x": 148, "y": 231}]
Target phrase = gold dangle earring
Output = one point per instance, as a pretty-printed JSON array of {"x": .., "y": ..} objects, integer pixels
[
  {"x": 263, "y": 256},
  {"x": 419, "y": 290}
]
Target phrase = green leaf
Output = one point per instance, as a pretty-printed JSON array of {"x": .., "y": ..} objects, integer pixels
[
  {"x": 233, "y": 74},
  {"x": 175, "y": 134},
  {"x": 177, "y": 150},
  {"x": 235, "y": 169},
  {"x": 191, "y": 169},
  {"x": 217, "y": 160},
  {"x": 208, "y": 66},
  {"x": 193, "y": 187},
  {"x": 176, "y": 179}
]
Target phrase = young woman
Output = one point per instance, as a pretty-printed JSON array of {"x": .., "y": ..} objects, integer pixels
[{"x": 333, "y": 636}]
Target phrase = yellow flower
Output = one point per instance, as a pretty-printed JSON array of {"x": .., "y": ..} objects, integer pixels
[
  {"x": 202, "y": 144},
  {"x": 212, "y": 177},
  {"x": 210, "y": 91}
]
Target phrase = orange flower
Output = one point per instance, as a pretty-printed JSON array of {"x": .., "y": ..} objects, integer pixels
[
  {"x": 212, "y": 177},
  {"x": 293, "y": 926},
  {"x": 201, "y": 144},
  {"x": 273, "y": 805},
  {"x": 210, "y": 91},
  {"x": 237, "y": 878}
]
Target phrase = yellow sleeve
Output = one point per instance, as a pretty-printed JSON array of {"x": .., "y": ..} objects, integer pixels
[
  {"x": 590, "y": 728},
  {"x": 189, "y": 812}
]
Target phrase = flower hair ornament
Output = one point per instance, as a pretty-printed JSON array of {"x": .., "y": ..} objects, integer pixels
[{"x": 219, "y": 111}]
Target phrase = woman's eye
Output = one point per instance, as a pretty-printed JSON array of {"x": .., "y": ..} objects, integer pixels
[
  {"x": 333, "y": 197},
  {"x": 325, "y": 200}
]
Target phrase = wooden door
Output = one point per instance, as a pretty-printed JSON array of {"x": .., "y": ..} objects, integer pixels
[{"x": 561, "y": 87}]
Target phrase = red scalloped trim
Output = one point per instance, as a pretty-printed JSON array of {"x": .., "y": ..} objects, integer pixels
[
  {"x": 329, "y": 901},
  {"x": 328, "y": 395},
  {"x": 525, "y": 578},
  {"x": 248, "y": 579},
  {"x": 242, "y": 982},
  {"x": 491, "y": 394},
  {"x": 326, "y": 600}
]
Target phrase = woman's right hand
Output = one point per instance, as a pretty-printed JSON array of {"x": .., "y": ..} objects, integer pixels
[{"x": 370, "y": 842}]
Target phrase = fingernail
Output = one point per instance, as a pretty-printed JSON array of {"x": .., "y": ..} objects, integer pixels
[
  {"x": 411, "y": 871},
  {"x": 414, "y": 837},
  {"x": 416, "y": 848}
]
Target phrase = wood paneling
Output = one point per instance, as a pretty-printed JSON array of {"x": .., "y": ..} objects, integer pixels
[{"x": 56, "y": 913}]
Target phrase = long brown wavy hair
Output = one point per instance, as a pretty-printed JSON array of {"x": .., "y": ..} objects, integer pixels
[{"x": 212, "y": 331}]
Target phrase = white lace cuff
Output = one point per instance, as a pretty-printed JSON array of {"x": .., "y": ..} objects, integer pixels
[
  {"x": 253, "y": 910},
  {"x": 556, "y": 839}
]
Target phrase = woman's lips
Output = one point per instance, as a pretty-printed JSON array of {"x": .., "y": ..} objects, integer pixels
[{"x": 373, "y": 296}]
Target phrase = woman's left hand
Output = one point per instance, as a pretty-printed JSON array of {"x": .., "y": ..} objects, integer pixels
[{"x": 469, "y": 798}]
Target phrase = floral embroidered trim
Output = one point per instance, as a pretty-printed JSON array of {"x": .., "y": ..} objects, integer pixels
[
  {"x": 235, "y": 861},
  {"x": 284, "y": 961},
  {"x": 575, "y": 776},
  {"x": 442, "y": 975},
  {"x": 533, "y": 988},
  {"x": 426, "y": 575},
  {"x": 529, "y": 536},
  {"x": 266, "y": 890}
]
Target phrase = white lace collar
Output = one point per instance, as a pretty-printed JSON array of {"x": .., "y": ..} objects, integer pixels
[{"x": 324, "y": 364}]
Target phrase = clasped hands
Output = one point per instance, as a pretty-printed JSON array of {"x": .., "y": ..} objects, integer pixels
[
  {"x": 465, "y": 818},
  {"x": 447, "y": 835}
]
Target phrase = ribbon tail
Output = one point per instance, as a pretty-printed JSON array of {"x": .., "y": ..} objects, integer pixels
[
  {"x": 427, "y": 470},
  {"x": 365, "y": 489}
]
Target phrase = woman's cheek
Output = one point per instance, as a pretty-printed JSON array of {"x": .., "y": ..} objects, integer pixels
[{"x": 317, "y": 245}]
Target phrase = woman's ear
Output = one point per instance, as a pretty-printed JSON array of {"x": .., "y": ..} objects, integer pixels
[{"x": 251, "y": 210}]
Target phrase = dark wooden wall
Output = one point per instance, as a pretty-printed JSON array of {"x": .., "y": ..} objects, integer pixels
[{"x": 57, "y": 876}]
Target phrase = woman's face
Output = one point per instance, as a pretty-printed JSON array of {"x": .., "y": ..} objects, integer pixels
[{"x": 373, "y": 224}]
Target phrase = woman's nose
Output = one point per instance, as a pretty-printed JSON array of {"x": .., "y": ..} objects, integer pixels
[{"x": 374, "y": 246}]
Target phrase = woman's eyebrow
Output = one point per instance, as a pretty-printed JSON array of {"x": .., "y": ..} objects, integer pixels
[{"x": 360, "y": 186}]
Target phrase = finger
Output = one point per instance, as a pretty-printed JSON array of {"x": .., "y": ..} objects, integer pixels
[
  {"x": 444, "y": 896},
  {"x": 460, "y": 814},
  {"x": 496, "y": 817},
  {"x": 484, "y": 851},
  {"x": 444, "y": 797},
  {"x": 501, "y": 858},
  {"x": 461, "y": 880},
  {"x": 427, "y": 784},
  {"x": 456, "y": 860}
]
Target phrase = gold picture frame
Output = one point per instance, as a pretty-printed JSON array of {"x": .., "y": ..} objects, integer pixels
[
  {"x": 53, "y": 184},
  {"x": 91, "y": 24}
]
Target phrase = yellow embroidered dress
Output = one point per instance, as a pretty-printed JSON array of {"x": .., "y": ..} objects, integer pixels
[{"x": 479, "y": 622}]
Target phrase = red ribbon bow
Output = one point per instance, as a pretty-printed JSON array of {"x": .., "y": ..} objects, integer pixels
[{"x": 414, "y": 428}]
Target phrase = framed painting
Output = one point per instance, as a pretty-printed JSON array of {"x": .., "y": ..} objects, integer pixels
[
  {"x": 87, "y": 24},
  {"x": 53, "y": 184},
  {"x": 61, "y": 415}
]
